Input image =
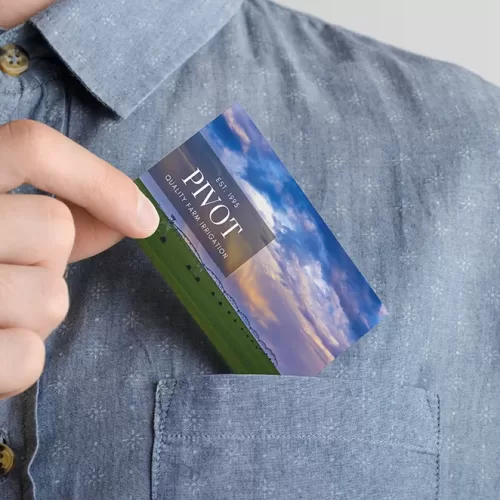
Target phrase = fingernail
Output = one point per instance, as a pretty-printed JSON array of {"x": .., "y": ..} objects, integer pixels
[{"x": 147, "y": 215}]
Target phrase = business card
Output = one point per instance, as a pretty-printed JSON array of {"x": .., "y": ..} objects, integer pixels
[{"x": 249, "y": 256}]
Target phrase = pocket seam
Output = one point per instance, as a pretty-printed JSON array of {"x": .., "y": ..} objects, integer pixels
[
  {"x": 161, "y": 412},
  {"x": 166, "y": 389},
  {"x": 170, "y": 389},
  {"x": 435, "y": 408},
  {"x": 196, "y": 436}
]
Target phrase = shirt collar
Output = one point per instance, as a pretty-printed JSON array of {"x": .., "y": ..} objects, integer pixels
[{"x": 123, "y": 49}]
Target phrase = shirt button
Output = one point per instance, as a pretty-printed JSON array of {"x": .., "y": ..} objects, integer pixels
[
  {"x": 14, "y": 61},
  {"x": 7, "y": 460}
]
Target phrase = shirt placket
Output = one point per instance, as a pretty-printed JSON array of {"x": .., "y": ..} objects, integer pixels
[{"x": 20, "y": 97}]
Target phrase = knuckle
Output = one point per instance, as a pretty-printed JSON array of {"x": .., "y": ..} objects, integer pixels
[
  {"x": 60, "y": 221},
  {"x": 58, "y": 211},
  {"x": 32, "y": 355},
  {"x": 101, "y": 184},
  {"x": 8, "y": 286},
  {"x": 57, "y": 300},
  {"x": 26, "y": 141},
  {"x": 25, "y": 362},
  {"x": 27, "y": 133}
]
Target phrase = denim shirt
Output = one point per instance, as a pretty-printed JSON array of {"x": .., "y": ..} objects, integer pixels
[{"x": 400, "y": 154}]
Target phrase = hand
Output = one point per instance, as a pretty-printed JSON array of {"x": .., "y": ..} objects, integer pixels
[
  {"x": 39, "y": 235},
  {"x": 14, "y": 12}
]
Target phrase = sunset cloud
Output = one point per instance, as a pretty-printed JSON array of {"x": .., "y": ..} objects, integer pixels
[{"x": 301, "y": 293}]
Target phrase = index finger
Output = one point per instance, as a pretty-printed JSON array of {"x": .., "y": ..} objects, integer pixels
[{"x": 31, "y": 152}]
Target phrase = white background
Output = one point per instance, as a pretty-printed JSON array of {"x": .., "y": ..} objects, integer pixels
[{"x": 466, "y": 32}]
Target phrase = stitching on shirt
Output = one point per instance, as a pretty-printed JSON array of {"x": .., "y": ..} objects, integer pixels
[
  {"x": 295, "y": 437},
  {"x": 436, "y": 410},
  {"x": 165, "y": 389},
  {"x": 24, "y": 418}
]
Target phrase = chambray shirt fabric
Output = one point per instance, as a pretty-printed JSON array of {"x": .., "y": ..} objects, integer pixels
[{"x": 399, "y": 153}]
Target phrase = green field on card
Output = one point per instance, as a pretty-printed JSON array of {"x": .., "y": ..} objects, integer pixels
[{"x": 197, "y": 290}]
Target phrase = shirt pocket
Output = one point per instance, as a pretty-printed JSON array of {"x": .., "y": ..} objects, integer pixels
[{"x": 252, "y": 437}]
